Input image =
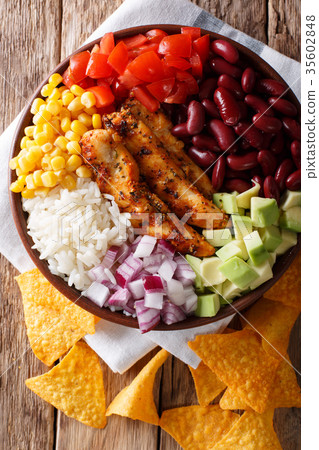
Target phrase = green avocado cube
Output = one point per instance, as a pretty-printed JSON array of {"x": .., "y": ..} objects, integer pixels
[
  {"x": 289, "y": 239},
  {"x": 264, "y": 273},
  {"x": 255, "y": 248},
  {"x": 218, "y": 238},
  {"x": 290, "y": 199},
  {"x": 209, "y": 271},
  {"x": 270, "y": 237},
  {"x": 228, "y": 251},
  {"x": 242, "y": 225},
  {"x": 230, "y": 291},
  {"x": 243, "y": 199},
  {"x": 207, "y": 305},
  {"x": 264, "y": 211},
  {"x": 195, "y": 265},
  {"x": 291, "y": 219},
  {"x": 272, "y": 259},
  {"x": 217, "y": 289},
  {"x": 226, "y": 202},
  {"x": 241, "y": 244},
  {"x": 238, "y": 272}
]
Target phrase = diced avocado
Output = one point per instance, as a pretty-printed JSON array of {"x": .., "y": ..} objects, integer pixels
[
  {"x": 255, "y": 248},
  {"x": 241, "y": 244},
  {"x": 270, "y": 237},
  {"x": 264, "y": 211},
  {"x": 207, "y": 305},
  {"x": 264, "y": 273},
  {"x": 238, "y": 272},
  {"x": 272, "y": 259},
  {"x": 217, "y": 289},
  {"x": 218, "y": 238},
  {"x": 243, "y": 199},
  {"x": 290, "y": 199},
  {"x": 289, "y": 239},
  {"x": 230, "y": 291},
  {"x": 228, "y": 251},
  {"x": 242, "y": 225},
  {"x": 241, "y": 211},
  {"x": 227, "y": 202},
  {"x": 195, "y": 265},
  {"x": 291, "y": 219},
  {"x": 209, "y": 271}
]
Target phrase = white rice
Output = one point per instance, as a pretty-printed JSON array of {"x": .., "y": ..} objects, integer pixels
[{"x": 72, "y": 230}]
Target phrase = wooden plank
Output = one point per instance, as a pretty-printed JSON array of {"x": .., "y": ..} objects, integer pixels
[{"x": 27, "y": 35}]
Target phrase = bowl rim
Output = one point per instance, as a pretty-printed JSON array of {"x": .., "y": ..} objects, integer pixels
[{"x": 73, "y": 294}]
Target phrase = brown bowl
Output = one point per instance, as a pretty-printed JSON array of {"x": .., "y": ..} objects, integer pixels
[{"x": 73, "y": 294}]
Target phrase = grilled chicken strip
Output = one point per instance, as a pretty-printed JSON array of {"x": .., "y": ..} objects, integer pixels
[
  {"x": 117, "y": 174},
  {"x": 163, "y": 176},
  {"x": 161, "y": 126}
]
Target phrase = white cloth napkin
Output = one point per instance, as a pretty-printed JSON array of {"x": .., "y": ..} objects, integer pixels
[{"x": 120, "y": 347}]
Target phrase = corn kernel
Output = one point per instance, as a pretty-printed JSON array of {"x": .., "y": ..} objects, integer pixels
[
  {"x": 22, "y": 152},
  {"x": 97, "y": 121},
  {"x": 63, "y": 88},
  {"x": 49, "y": 179},
  {"x": 65, "y": 124},
  {"x": 73, "y": 148},
  {"x": 61, "y": 142},
  {"x": 55, "y": 79},
  {"x": 55, "y": 94},
  {"x": 37, "y": 178},
  {"x": 23, "y": 142},
  {"x": 37, "y": 129},
  {"x": 78, "y": 127},
  {"x": 41, "y": 138},
  {"x": 35, "y": 107},
  {"x": 41, "y": 192},
  {"x": 65, "y": 113},
  {"x": 42, "y": 117},
  {"x": 68, "y": 182},
  {"x": 27, "y": 193},
  {"x": 83, "y": 172},
  {"x": 71, "y": 136},
  {"x": 86, "y": 119},
  {"x": 22, "y": 180},
  {"x": 58, "y": 163},
  {"x": 77, "y": 90},
  {"x": 47, "y": 147},
  {"x": 30, "y": 182},
  {"x": 75, "y": 105},
  {"x": 34, "y": 154},
  {"x": 56, "y": 152},
  {"x": 49, "y": 130},
  {"x": 46, "y": 162},
  {"x": 15, "y": 187},
  {"x": 73, "y": 163},
  {"x": 53, "y": 107},
  {"x": 91, "y": 110},
  {"x": 42, "y": 108},
  {"x": 25, "y": 165},
  {"x": 88, "y": 99},
  {"x": 30, "y": 143},
  {"x": 28, "y": 131},
  {"x": 75, "y": 114},
  {"x": 60, "y": 174},
  {"x": 67, "y": 98},
  {"x": 46, "y": 90},
  {"x": 13, "y": 163}
]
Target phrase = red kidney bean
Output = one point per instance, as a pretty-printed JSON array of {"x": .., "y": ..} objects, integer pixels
[
  {"x": 243, "y": 110},
  {"x": 248, "y": 80},
  {"x": 271, "y": 189},
  {"x": 258, "y": 179},
  {"x": 295, "y": 149},
  {"x": 258, "y": 104},
  {"x": 219, "y": 173},
  {"x": 250, "y": 133},
  {"x": 267, "y": 138},
  {"x": 180, "y": 130},
  {"x": 293, "y": 182},
  {"x": 230, "y": 173},
  {"x": 282, "y": 173},
  {"x": 244, "y": 145},
  {"x": 232, "y": 85},
  {"x": 266, "y": 123},
  {"x": 227, "y": 106},
  {"x": 211, "y": 108},
  {"x": 196, "y": 117},
  {"x": 268, "y": 162},
  {"x": 203, "y": 158},
  {"x": 271, "y": 87},
  {"x": 223, "y": 134},
  {"x": 237, "y": 184},
  {"x": 242, "y": 162},
  {"x": 292, "y": 128},
  {"x": 207, "y": 87},
  {"x": 205, "y": 142},
  {"x": 226, "y": 50},
  {"x": 221, "y": 66},
  {"x": 278, "y": 143},
  {"x": 283, "y": 106}
]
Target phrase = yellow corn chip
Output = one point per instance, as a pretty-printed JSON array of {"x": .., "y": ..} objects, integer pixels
[
  {"x": 54, "y": 324},
  {"x": 207, "y": 384},
  {"x": 197, "y": 427},
  {"x": 75, "y": 386},
  {"x": 136, "y": 400},
  {"x": 285, "y": 392},
  {"x": 287, "y": 290},
  {"x": 273, "y": 321},
  {"x": 240, "y": 361},
  {"x": 251, "y": 432}
]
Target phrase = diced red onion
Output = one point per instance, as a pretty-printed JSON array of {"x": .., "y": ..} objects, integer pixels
[
  {"x": 183, "y": 269},
  {"x": 154, "y": 300},
  {"x": 98, "y": 293},
  {"x": 172, "y": 313},
  {"x": 153, "y": 284},
  {"x": 136, "y": 288},
  {"x": 135, "y": 243},
  {"x": 129, "y": 307},
  {"x": 110, "y": 275},
  {"x": 175, "y": 292},
  {"x": 147, "y": 318},
  {"x": 152, "y": 263},
  {"x": 110, "y": 285},
  {"x": 119, "y": 298},
  {"x": 124, "y": 251},
  {"x": 166, "y": 248},
  {"x": 145, "y": 247},
  {"x": 167, "y": 269},
  {"x": 97, "y": 274},
  {"x": 110, "y": 257},
  {"x": 128, "y": 270}
]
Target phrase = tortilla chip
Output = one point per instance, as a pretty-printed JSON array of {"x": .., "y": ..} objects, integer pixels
[
  {"x": 54, "y": 323},
  {"x": 251, "y": 432},
  {"x": 285, "y": 392},
  {"x": 136, "y": 400},
  {"x": 240, "y": 361},
  {"x": 197, "y": 427},
  {"x": 75, "y": 386},
  {"x": 287, "y": 290},
  {"x": 273, "y": 321},
  {"x": 207, "y": 384}
]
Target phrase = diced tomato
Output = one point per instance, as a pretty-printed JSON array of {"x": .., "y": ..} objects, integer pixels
[
  {"x": 147, "y": 67},
  {"x": 106, "y": 109},
  {"x": 78, "y": 65},
  {"x": 142, "y": 94},
  {"x": 98, "y": 67},
  {"x": 106, "y": 81},
  {"x": 103, "y": 94},
  {"x": 179, "y": 93},
  {"x": 155, "y": 35},
  {"x": 68, "y": 79},
  {"x": 107, "y": 44},
  {"x": 169, "y": 72},
  {"x": 189, "y": 80},
  {"x": 177, "y": 45},
  {"x": 193, "y": 31},
  {"x": 142, "y": 49},
  {"x": 201, "y": 46},
  {"x": 86, "y": 83},
  {"x": 177, "y": 62},
  {"x": 129, "y": 80},
  {"x": 119, "y": 90},
  {"x": 119, "y": 57},
  {"x": 161, "y": 89},
  {"x": 196, "y": 63},
  {"x": 134, "y": 41},
  {"x": 95, "y": 49}
]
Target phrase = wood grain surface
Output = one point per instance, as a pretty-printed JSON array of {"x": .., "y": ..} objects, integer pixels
[{"x": 34, "y": 36}]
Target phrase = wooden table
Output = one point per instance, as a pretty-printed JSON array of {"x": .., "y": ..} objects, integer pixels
[{"x": 35, "y": 36}]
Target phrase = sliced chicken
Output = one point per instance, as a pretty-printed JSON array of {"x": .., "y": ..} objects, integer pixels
[
  {"x": 117, "y": 173},
  {"x": 163, "y": 176},
  {"x": 161, "y": 126}
]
